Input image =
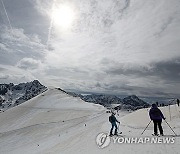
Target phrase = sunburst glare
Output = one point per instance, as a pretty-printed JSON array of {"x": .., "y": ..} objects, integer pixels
[{"x": 63, "y": 16}]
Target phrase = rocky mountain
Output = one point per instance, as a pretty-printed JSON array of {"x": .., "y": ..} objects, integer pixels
[
  {"x": 12, "y": 95},
  {"x": 131, "y": 102},
  {"x": 102, "y": 99}
]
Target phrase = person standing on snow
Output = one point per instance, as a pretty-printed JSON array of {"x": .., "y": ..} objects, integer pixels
[
  {"x": 178, "y": 102},
  {"x": 156, "y": 116},
  {"x": 113, "y": 120}
]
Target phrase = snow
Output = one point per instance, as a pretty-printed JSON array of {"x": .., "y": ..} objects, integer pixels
[{"x": 55, "y": 122}]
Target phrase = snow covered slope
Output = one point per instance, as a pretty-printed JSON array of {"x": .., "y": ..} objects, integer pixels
[
  {"x": 45, "y": 108},
  {"x": 55, "y": 122}
]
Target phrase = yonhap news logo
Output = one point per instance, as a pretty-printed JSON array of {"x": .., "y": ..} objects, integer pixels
[
  {"x": 103, "y": 140},
  {"x": 144, "y": 140}
]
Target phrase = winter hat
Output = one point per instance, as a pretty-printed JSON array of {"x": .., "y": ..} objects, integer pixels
[{"x": 154, "y": 105}]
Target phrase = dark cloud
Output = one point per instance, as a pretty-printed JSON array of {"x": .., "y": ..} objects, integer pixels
[
  {"x": 98, "y": 85},
  {"x": 2, "y": 69},
  {"x": 168, "y": 71},
  {"x": 137, "y": 90}
]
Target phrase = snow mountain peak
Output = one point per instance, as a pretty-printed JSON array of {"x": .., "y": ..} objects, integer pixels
[{"x": 13, "y": 95}]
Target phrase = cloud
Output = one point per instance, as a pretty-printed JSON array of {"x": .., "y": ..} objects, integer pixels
[
  {"x": 18, "y": 45},
  {"x": 43, "y": 6},
  {"x": 3, "y": 47},
  {"x": 2, "y": 76},
  {"x": 129, "y": 47},
  {"x": 119, "y": 46},
  {"x": 168, "y": 71},
  {"x": 12, "y": 74},
  {"x": 22, "y": 55},
  {"x": 28, "y": 63}
]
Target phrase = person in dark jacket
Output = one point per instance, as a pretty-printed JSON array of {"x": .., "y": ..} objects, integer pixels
[
  {"x": 113, "y": 120},
  {"x": 156, "y": 116},
  {"x": 178, "y": 102}
]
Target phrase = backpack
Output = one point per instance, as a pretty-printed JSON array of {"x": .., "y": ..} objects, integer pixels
[{"x": 110, "y": 119}]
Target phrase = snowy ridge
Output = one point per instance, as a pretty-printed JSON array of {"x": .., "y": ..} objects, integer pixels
[{"x": 45, "y": 108}]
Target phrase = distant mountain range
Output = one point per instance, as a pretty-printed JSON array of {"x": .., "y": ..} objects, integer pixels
[
  {"x": 12, "y": 95},
  {"x": 131, "y": 102}
]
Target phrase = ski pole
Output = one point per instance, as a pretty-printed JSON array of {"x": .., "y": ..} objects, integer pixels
[
  {"x": 118, "y": 126},
  {"x": 169, "y": 112},
  {"x": 170, "y": 127},
  {"x": 146, "y": 127},
  {"x": 118, "y": 129}
]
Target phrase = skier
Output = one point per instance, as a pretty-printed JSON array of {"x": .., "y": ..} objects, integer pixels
[
  {"x": 113, "y": 120},
  {"x": 156, "y": 116},
  {"x": 178, "y": 102}
]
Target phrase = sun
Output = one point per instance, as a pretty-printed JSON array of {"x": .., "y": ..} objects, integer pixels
[{"x": 63, "y": 16}]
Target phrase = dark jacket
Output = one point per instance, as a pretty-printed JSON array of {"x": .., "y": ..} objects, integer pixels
[{"x": 155, "y": 113}]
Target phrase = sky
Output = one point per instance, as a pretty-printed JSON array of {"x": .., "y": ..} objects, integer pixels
[{"x": 102, "y": 46}]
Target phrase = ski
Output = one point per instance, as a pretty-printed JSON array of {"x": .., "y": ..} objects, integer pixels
[
  {"x": 119, "y": 134},
  {"x": 156, "y": 135}
]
